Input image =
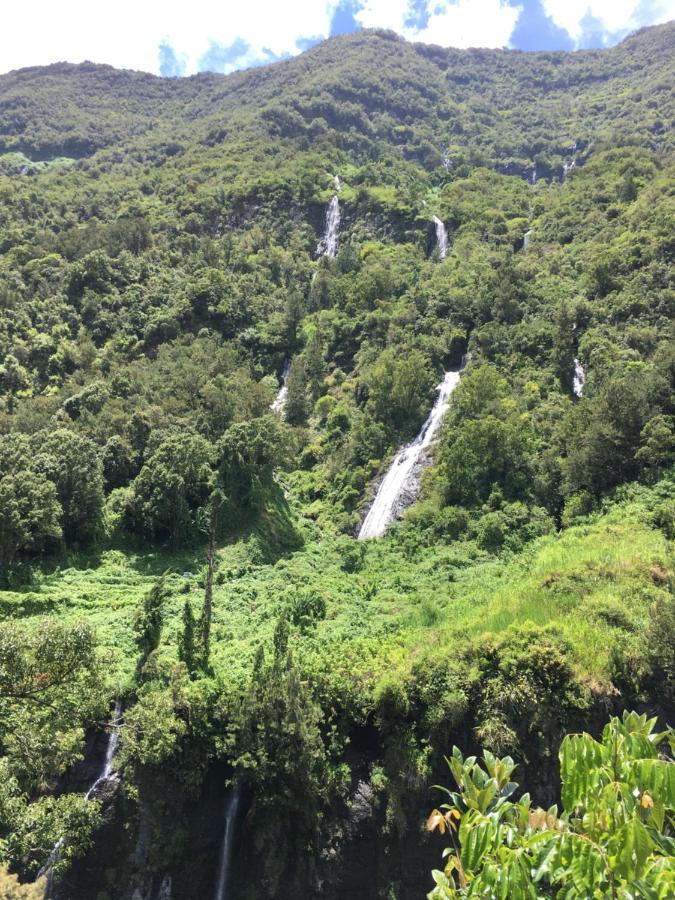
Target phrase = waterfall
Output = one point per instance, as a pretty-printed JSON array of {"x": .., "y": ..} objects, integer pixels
[
  {"x": 328, "y": 245},
  {"x": 579, "y": 379},
  {"x": 111, "y": 749},
  {"x": 441, "y": 237},
  {"x": 280, "y": 399},
  {"x": 533, "y": 178},
  {"x": 400, "y": 483},
  {"x": 567, "y": 168},
  {"x": 104, "y": 777},
  {"x": 225, "y": 863},
  {"x": 446, "y": 161},
  {"x": 338, "y": 186},
  {"x": 526, "y": 239}
]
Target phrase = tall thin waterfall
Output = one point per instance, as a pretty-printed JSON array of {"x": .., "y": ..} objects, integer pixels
[
  {"x": 280, "y": 399},
  {"x": 328, "y": 245},
  {"x": 110, "y": 751},
  {"x": 441, "y": 237},
  {"x": 533, "y": 177},
  {"x": 225, "y": 863},
  {"x": 579, "y": 379},
  {"x": 526, "y": 239},
  {"x": 104, "y": 777},
  {"x": 399, "y": 485}
]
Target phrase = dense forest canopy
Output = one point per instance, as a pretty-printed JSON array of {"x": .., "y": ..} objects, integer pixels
[{"x": 172, "y": 540}]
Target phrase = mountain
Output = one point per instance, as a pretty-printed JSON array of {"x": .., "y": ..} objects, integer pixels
[{"x": 226, "y": 303}]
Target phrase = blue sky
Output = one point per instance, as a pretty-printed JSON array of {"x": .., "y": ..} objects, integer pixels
[{"x": 174, "y": 37}]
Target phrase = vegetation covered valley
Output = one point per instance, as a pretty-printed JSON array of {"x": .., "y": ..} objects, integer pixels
[{"x": 209, "y": 686}]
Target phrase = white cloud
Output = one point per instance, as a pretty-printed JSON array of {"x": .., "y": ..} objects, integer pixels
[
  {"x": 614, "y": 17},
  {"x": 471, "y": 23},
  {"x": 128, "y": 32},
  {"x": 452, "y": 23},
  {"x": 384, "y": 14}
]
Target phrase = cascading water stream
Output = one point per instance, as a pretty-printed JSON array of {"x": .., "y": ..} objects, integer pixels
[
  {"x": 567, "y": 168},
  {"x": 579, "y": 379},
  {"x": 526, "y": 239},
  {"x": 280, "y": 399},
  {"x": 328, "y": 245},
  {"x": 400, "y": 483},
  {"x": 225, "y": 862},
  {"x": 441, "y": 237},
  {"x": 111, "y": 750},
  {"x": 106, "y": 775}
]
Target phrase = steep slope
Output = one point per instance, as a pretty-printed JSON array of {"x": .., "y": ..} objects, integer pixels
[{"x": 169, "y": 540}]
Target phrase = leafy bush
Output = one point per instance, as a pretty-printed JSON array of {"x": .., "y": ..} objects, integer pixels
[{"x": 613, "y": 837}]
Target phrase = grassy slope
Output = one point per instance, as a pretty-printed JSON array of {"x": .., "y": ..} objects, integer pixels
[{"x": 593, "y": 584}]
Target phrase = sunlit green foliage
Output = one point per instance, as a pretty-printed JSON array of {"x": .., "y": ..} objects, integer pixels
[
  {"x": 158, "y": 269},
  {"x": 613, "y": 838}
]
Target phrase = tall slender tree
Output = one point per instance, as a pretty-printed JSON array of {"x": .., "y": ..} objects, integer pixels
[{"x": 214, "y": 507}]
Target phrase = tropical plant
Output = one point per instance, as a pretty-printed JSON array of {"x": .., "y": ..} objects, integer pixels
[{"x": 613, "y": 839}]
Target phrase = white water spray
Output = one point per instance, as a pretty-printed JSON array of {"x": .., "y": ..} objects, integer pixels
[
  {"x": 533, "y": 178},
  {"x": 526, "y": 239},
  {"x": 567, "y": 168},
  {"x": 328, "y": 245},
  {"x": 225, "y": 863},
  {"x": 111, "y": 749},
  {"x": 399, "y": 485},
  {"x": 579, "y": 379},
  {"x": 441, "y": 237},
  {"x": 106, "y": 775},
  {"x": 280, "y": 399}
]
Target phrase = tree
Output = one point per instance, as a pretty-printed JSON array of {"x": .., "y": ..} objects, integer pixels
[
  {"x": 173, "y": 484},
  {"x": 29, "y": 516},
  {"x": 148, "y": 621},
  {"x": 657, "y": 445},
  {"x": 292, "y": 317},
  {"x": 482, "y": 453},
  {"x": 563, "y": 347},
  {"x": 216, "y": 503},
  {"x": 400, "y": 385},
  {"x": 281, "y": 747},
  {"x": 604, "y": 434},
  {"x": 612, "y": 840},
  {"x": 13, "y": 378},
  {"x": 248, "y": 453},
  {"x": 50, "y": 684},
  {"x": 187, "y": 650},
  {"x": 118, "y": 461},
  {"x": 295, "y": 408},
  {"x": 71, "y": 462}
]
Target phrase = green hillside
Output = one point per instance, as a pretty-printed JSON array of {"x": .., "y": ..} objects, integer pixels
[{"x": 170, "y": 541}]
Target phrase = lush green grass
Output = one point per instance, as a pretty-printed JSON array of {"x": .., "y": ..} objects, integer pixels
[{"x": 592, "y": 584}]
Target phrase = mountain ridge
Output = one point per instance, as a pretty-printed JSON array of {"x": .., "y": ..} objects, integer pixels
[
  {"x": 210, "y": 91},
  {"x": 223, "y": 318}
]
